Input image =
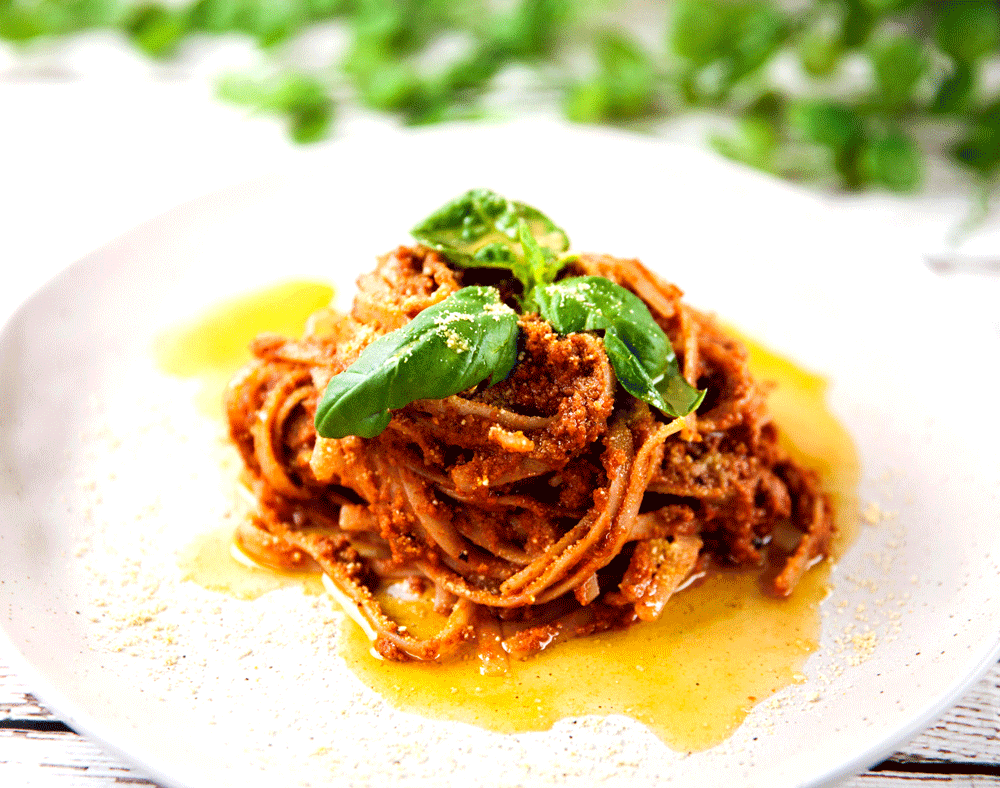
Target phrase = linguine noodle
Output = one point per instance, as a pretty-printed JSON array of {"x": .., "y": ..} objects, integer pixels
[{"x": 551, "y": 505}]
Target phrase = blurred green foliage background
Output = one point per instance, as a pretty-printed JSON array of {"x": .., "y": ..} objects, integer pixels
[{"x": 848, "y": 93}]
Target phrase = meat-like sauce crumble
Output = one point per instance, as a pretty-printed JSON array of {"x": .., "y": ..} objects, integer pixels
[{"x": 548, "y": 506}]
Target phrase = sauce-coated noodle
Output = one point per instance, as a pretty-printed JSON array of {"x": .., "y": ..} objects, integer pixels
[
  {"x": 506, "y": 520},
  {"x": 690, "y": 691},
  {"x": 677, "y": 675}
]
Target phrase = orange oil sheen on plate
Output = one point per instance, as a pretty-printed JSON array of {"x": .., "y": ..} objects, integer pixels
[{"x": 692, "y": 676}]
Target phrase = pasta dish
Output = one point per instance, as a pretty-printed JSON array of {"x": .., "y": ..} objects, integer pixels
[{"x": 547, "y": 445}]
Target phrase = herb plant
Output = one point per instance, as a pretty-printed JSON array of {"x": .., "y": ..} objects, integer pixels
[
  {"x": 481, "y": 229},
  {"x": 921, "y": 63}
]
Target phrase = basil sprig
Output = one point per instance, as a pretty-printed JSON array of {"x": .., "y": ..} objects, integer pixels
[
  {"x": 469, "y": 337},
  {"x": 481, "y": 229},
  {"x": 639, "y": 351}
]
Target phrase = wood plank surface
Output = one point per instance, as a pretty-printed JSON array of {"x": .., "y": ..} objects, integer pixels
[{"x": 38, "y": 751}]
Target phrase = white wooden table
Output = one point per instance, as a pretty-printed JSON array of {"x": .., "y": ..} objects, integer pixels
[{"x": 64, "y": 194}]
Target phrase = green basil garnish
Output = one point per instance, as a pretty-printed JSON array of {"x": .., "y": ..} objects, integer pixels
[
  {"x": 481, "y": 229},
  {"x": 593, "y": 303},
  {"x": 640, "y": 353},
  {"x": 469, "y": 337}
]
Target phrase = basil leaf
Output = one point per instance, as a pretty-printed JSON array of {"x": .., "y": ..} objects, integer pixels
[
  {"x": 481, "y": 229},
  {"x": 633, "y": 376},
  {"x": 469, "y": 337},
  {"x": 540, "y": 259},
  {"x": 593, "y": 303},
  {"x": 679, "y": 396},
  {"x": 640, "y": 353}
]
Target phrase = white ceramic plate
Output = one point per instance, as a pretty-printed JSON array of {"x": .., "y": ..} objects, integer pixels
[{"x": 107, "y": 469}]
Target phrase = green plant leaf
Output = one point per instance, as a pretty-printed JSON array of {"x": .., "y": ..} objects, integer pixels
[
  {"x": 979, "y": 150},
  {"x": 301, "y": 98},
  {"x": 968, "y": 29},
  {"x": 759, "y": 29},
  {"x": 828, "y": 123},
  {"x": 481, "y": 229},
  {"x": 589, "y": 101},
  {"x": 468, "y": 338},
  {"x": 699, "y": 30},
  {"x": 725, "y": 42},
  {"x": 214, "y": 16},
  {"x": 893, "y": 160},
  {"x": 957, "y": 91},
  {"x": 19, "y": 24},
  {"x": 859, "y": 21},
  {"x": 593, "y": 303},
  {"x": 630, "y": 76},
  {"x": 156, "y": 29},
  {"x": 754, "y": 141},
  {"x": 529, "y": 29},
  {"x": 898, "y": 62},
  {"x": 821, "y": 51},
  {"x": 271, "y": 21},
  {"x": 640, "y": 353}
]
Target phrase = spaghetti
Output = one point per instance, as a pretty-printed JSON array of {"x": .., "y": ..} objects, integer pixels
[{"x": 548, "y": 506}]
